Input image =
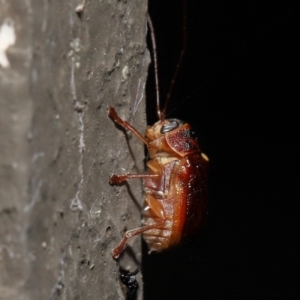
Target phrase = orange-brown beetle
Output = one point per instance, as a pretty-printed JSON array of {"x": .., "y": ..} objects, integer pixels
[{"x": 176, "y": 180}]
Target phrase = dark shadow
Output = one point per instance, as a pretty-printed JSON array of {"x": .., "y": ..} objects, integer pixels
[{"x": 245, "y": 117}]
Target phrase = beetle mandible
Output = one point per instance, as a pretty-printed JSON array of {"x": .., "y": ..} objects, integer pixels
[{"x": 175, "y": 183}]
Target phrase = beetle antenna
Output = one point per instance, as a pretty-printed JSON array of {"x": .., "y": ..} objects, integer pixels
[
  {"x": 160, "y": 114},
  {"x": 190, "y": 96},
  {"x": 180, "y": 57}
]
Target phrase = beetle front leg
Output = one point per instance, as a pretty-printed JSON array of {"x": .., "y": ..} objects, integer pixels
[
  {"x": 114, "y": 116},
  {"x": 114, "y": 179}
]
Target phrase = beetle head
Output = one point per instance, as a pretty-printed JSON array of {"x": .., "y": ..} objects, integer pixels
[
  {"x": 161, "y": 128},
  {"x": 171, "y": 136}
]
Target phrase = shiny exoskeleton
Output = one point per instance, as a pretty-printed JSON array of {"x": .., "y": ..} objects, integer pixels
[{"x": 175, "y": 183}]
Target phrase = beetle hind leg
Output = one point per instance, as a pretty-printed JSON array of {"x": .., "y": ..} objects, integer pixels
[{"x": 116, "y": 252}]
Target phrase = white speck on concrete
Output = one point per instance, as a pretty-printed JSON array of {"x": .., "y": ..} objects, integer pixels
[
  {"x": 7, "y": 39},
  {"x": 125, "y": 72}
]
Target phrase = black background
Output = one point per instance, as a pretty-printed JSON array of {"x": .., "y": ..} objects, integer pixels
[{"x": 237, "y": 88}]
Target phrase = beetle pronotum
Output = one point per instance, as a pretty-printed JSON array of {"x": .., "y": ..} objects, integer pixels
[{"x": 175, "y": 183}]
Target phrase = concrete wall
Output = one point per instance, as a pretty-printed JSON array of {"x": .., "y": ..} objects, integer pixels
[{"x": 59, "y": 217}]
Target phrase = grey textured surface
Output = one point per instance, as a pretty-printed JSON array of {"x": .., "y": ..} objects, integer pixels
[{"x": 59, "y": 217}]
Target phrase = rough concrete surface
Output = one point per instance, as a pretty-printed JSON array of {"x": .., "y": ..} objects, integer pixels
[{"x": 59, "y": 217}]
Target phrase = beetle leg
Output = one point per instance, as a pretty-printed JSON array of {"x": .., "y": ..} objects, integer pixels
[
  {"x": 121, "y": 178},
  {"x": 114, "y": 116},
  {"x": 131, "y": 233}
]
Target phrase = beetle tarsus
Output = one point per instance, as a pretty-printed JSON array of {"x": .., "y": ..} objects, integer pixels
[{"x": 114, "y": 179}]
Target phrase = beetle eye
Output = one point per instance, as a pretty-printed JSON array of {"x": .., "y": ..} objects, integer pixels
[{"x": 174, "y": 123}]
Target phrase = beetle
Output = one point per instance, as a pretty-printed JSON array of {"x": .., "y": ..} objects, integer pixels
[{"x": 175, "y": 183}]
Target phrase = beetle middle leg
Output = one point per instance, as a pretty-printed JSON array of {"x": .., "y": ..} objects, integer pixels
[{"x": 114, "y": 179}]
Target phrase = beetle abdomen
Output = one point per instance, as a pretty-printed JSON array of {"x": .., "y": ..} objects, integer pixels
[
  {"x": 158, "y": 239},
  {"x": 158, "y": 205},
  {"x": 177, "y": 195}
]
